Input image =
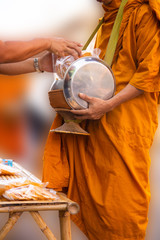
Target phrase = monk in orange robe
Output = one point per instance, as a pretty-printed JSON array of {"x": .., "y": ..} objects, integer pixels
[{"x": 107, "y": 172}]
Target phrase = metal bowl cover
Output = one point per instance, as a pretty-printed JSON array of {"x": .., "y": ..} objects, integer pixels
[{"x": 88, "y": 75}]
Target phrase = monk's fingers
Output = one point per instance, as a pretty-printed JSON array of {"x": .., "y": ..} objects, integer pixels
[
  {"x": 82, "y": 117},
  {"x": 86, "y": 97},
  {"x": 80, "y": 112}
]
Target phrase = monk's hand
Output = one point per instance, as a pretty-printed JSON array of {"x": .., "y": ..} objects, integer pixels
[
  {"x": 62, "y": 47},
  {"x": 97, "y": 108}
]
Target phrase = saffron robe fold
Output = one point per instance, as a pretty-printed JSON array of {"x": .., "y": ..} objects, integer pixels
[{"x": 107, "y": 172}]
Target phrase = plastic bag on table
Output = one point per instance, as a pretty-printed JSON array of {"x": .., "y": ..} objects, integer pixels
[
  {"x": 7, "y": 170},
  {"x": 7, "y": 183},
  {"x": 29, "y": 192}
]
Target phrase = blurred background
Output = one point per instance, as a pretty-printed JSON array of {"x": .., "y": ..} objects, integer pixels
[{"x": 25, "y": 113}]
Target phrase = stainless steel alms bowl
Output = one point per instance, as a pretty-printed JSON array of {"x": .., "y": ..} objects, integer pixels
[{"x": 88, "y": 75}]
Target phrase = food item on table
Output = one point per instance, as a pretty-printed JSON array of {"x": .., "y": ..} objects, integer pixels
[
  {"x": 29, "y": 192},
  {"x": 7, "y": 170},
  {"x": 15, "y": 184},
  {"x": 8, "y": 182}
]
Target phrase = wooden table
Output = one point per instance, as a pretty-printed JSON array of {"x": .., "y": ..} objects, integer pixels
[{"x": 15, "y": 209}]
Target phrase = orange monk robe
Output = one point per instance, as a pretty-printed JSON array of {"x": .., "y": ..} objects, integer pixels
[
  {"x": 12, "y": 124},
  {"x": 108, "y": 171}
]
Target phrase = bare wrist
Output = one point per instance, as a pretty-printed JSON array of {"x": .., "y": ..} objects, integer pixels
[{"x": 111, "y": 103}]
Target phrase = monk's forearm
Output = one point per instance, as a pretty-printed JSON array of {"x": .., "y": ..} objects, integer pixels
[
  {"x": 17, "y": 68},
  {"x": 14, "y": 51},
  {"x": 126, "y": 94}
]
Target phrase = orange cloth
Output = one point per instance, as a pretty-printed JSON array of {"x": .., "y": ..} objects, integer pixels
[
  {"x": 12, "y": 88},
  {"x": 12, "y": 124},
  {"x": 109, "y": 170}
]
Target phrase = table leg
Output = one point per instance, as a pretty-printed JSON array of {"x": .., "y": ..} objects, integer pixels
[
  {"x": 43, "y": 226},
  {"x": 13, "y": 218},
  {"x": 65, "y": 225}
]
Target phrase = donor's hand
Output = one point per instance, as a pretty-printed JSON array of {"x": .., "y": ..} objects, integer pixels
[{"x": 62, "y": 47}]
